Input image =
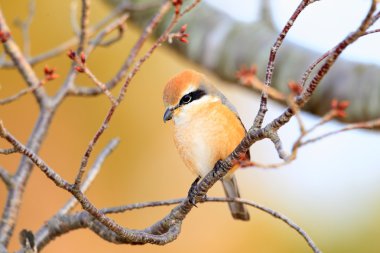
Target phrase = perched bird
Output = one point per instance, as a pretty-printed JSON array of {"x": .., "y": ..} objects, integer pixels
[{"x": 207, "y": 128}]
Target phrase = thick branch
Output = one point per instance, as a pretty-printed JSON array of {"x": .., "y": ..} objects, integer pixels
[{"x": 65, "y": 223}]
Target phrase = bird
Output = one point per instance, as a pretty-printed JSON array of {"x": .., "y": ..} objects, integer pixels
[{"x": 207, "y": 128}]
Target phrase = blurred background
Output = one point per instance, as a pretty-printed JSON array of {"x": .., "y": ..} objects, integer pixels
[{"x": 331, "y": 190}]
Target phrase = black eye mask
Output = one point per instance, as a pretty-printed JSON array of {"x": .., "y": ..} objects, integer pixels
[{"x": 192, "y": 96}]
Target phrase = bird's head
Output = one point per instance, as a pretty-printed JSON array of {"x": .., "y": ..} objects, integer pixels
[{"x": 186, "y": 89}]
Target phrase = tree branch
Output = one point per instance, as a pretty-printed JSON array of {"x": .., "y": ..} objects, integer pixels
[
  {"x": 84, "y": 91},
  {"x": 272, "y": 57},
  {"x": 6, "y": 177},
  {"x": 62, "y": 224},
  {"x": 21, "y": 63},
  {"x": 19, "y": 94},
  {"x": 92, "y": 173},
  {"x": 25, "y": 27}
]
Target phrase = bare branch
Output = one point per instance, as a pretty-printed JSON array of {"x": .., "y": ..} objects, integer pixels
[
  {"x": 123, "y": 7},
  {"x": 82, "y": 91},
  {"x": 278, "y": 145},
  {"x": 132, "y": 73},
  {"x": 255, "y": 134},
  {"x": 272, "y": 57},
  {"x": 164, "y": 8},
  {"x": 58, "y": 180},
  {"x": 20, "y": 62},
  {"x": 360, "y": 125},
  {"x": 7, "y": 151},
  {"x": 92, "y": 173},
  {"x": 83, "y": 35},
  {"x": 73, "y": 17},
  {"x": 19, "y": 94},
  {"x": 65, "y": 223},
  {"x": 300, "y": 140},
  {"x": 6, "y": 177},
  {"x": 333, "y": 56},
  {"x": 118, "y": 23},
  {"x": 21, "y": 176},
  {"x": 25, "y": 27},
  {"x": 307, "y": 73},
  {"x": 273, "y": 213}
]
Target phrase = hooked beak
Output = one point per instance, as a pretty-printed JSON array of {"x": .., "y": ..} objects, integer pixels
[{"x": 168, "y": 114}]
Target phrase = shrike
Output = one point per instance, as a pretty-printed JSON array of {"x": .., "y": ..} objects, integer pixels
[{"x": 207, "y": 128}]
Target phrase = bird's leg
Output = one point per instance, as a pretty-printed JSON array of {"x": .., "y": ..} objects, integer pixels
[{"x": 192, "y": 194}]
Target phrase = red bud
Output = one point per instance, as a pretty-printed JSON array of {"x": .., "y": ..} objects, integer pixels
[
  {"x": 52, "y": 77},
  {"x": 183, "y": 28},
  {"x": 83, "y": 57},
  {"x": 79, "y": 69},
  {"x": 71, "y": 54},
  {"x": 343, "y": 104},
  {"x": 295, "y": 87},
  {"x": 4, "y": 36},
  {"x": 184, "y": 40}
]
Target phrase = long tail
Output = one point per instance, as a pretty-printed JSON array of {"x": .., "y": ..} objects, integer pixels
[{"x": 238, "y": 210}]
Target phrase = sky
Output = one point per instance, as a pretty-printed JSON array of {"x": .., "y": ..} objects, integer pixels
[{"x": 321, "y": 26}]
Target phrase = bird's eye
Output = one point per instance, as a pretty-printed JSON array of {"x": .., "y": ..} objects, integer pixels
[{"x": 186, "y": 99}]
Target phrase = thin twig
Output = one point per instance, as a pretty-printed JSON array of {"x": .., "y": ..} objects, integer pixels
[
  {"x": 82, "y": 219},
  {"x": 164, "y": 8},
  {"x": 25, "y": 27},
  {"x": 19, "y": 60},
  {"x": 255, "y": 134},
  {"x": 118, "y": 23},
  {"x": 73, "y": 17},
  {"x": 62, "y": 48},
  {"x": 273, "y": 213},
  {"x": 278, "y": 145},
  {"x": 129, "y": 236},
  {"x": 359, "y": 125},
  {"x": 19, "y": 94},
  {"x": 83, "y": 35},
  {"x": 92, "y": 173},
  {"x": 7, "y": 151},
  {"x": 307, "y": 73},
  {"x": 22, "y": 149},
  {"x": 6, "y": 177},
  {"x": 132, "y": 73},
  {"x": 101, "y": 85},
  {"x": 272, "y": 57},
  {"x": 84, "y": 91}
]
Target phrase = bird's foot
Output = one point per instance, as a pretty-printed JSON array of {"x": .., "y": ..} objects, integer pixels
[{"x": 193, "y": 192}]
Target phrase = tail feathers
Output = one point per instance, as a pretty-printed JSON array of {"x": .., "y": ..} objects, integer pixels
[{"x": 238, "y": 210}]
